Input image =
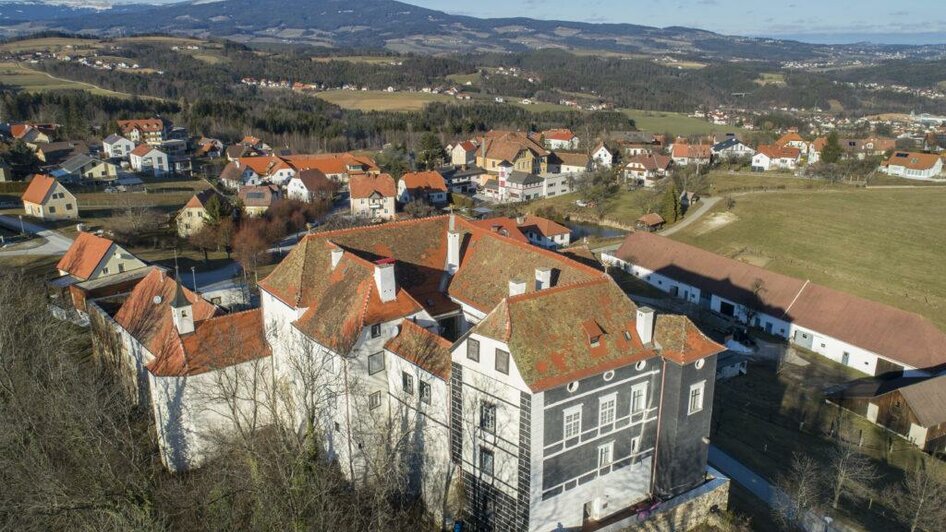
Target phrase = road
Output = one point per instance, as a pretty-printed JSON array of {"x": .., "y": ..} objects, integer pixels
[
  {"x": 705, "y": 205},
  {"x": 56, "y": 243},
  {"x": 748, "y": 479}
]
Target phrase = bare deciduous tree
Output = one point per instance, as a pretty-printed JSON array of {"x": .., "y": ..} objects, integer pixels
[
  {"x": 920, "y": 502},
  {"x": 801, "y": 491},
  {"x": 849, "y": 470}
]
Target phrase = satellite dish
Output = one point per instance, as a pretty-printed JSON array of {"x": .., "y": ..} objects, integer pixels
[{"x": 157, "y": 300}]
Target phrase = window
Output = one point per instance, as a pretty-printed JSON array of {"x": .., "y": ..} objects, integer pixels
[
  {"x": 407, "y": 382},
  {"x": 636, "y": 444},
  {"x": 121, "y": 267},
  {"x": 104, "y": 271},
  {"x": 425, "y": 392},
  {"x": 52, "y": 210},
  {"x": 473, "y": 350},
  {"x": 375, "y": 363},
  {"x": 488, "y": 417},
  {"x": 68, "y": 206},
  {"x": 696, "y": 398},
  {"x": 606, "y": 408},
  {"x": 486, "y": 461},
  {"x": 572, "y": 422},
  {"x": 605, "y": 454},
  {"x": 638, "y": 398},
  {"x": 376, "y": 330},
  {"x": 374, "y": 400},
  {"x": 502, "y": 361}
]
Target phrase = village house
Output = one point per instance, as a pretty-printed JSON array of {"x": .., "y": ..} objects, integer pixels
[
  {"x": 209, "y": 147},
  {"x": 438, "y": 332},
  {"x": 338, "y": 167},
  {"x": 463, "y": 153},
  {"x": 602, "y": 156},
  {"x": 511, "y": 148},
  {"x": 872, "y": 338},
  {"x": 913, "y": 165},
  {"x": 191, "y": 218},
  {"x": 572, "y": 163},
  {"x": 311, "y": 186},
  {"x": 152, "y": 131},
  {"x": 257, "y": 200},
  {"x": 373, "y": 196},
  {"x": 146, "y": 159},
  {"x": 634, "y": 143},
  {"x": 732, "y": 148},
  {"x": 83, "y": 167},
  {"x": 912, "y": 407},
  {"x": 557, "y": 184},
  {"x": 33, "y": 134},
  {"x": 427, "y": 186},
  {"x": 647, "y": 170},
  {"x": 792, "y": 140},
  {"x": 560, "y": 139},
  {"x": 55, "y": 153},
  {"x": 462, "y": 180},
  {"x": 521, "y": 186},
  {"x": 48, "y": 199},
  {"x": 117, "y": 147},
  {"x": 774, "y": 157},
  {"x": 684, "y": 154},
  {"x": 535, "y": 230}
]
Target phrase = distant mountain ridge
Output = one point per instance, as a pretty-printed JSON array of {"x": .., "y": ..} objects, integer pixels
[{"x": 394, "y": 25}]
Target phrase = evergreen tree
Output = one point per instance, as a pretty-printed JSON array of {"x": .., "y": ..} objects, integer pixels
[
  {"x": 670, "y": 204},
  {"x": 431, "y": 150},
  {"x": 831, "y": 153}
]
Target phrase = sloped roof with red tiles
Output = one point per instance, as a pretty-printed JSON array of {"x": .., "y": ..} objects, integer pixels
[
  {"x": 692, "y": 151},
  {"x": 258, "y": 196},
  {"x": 430, "y": 180},
  {"x": 40, "y": 187},
  {"x": 543, "y": 226},
  {"x": 263, "y": 166},
  {"x": 422, "y": 348},
  {"x": 912, "y": 160},
  {"x": 503, "y": 225},
  {"x": 146, "y": 315},
  {"x": 651, "y": 219},
  {"x": 333, "y": 163},
  {"x": 363, "y": 186},
  {"x": 143, "y": 149},
  {"x": 650, "y": 162},
  {"x": 775, "y": 151},
  {"x": 789, "y": 137},
  {"x": 84, "y": 255},
  {"x": 819, "y": 144},
  {"x": 19, "y": 130},
  {"x": 681, "y": 341},
  {"x": 573, "y": 158},
  {"x": 216, "y": 343},
  {"x": 558, "y": 134},
  {"x": 199, "y": 200},
  {"x": 315, "y": 180},
  {"x": 147, "y": 125}
]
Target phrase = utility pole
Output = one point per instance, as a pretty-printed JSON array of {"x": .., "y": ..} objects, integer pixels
[{"x": 194, "y": 276}]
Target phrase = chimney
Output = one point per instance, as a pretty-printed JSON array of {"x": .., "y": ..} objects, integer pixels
[
  {"x": 543, "y": 278},
  {"x": 645, "y": 325},
  {"x": 384, "y": 279},
  {"x": 516, "y": 287},
  {"x": 453, "y": 250},
  {"x": 337, "y": 254},
  {"x": 520, "y": 219}
]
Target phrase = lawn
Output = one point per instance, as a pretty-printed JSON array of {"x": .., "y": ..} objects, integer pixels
[
  {"x": 623, "y": 208},
  {"x": 675, "y": 123},
  {"x": 48, "y": 44},
  {"x": 382, "y": 101},
  {"x": 366, "y": 59},
  {"x": 461, "y": 79},
  {"x": 723, "y": 182},
  {"x": 31, "y": 80},
  {"x": 887, "y": 245}
]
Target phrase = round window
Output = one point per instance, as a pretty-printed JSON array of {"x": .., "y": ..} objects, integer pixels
[
  {"x": 608, "y": 375},
  {"x": 641, "y": 365},
  {"x": 573, "y": 386},
  {"x": 699, "y": 363}
]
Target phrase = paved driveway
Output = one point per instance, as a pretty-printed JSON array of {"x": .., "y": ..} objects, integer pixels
[{"x": 56, "y": 243}]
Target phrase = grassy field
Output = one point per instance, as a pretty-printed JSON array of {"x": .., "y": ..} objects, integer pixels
[
  {"x": 382, "y": 101},
  {"x": 461, "y": 79},
  {"x": 624, "y": 207},
  {"x": 31, "y": 80},
  {"x": 51, "y": 44},
  {"x": 771, "y": 78},
  {"x": 367, "y": 59},
  {"x": 723, "y": 182},
  {"x": 885, "y": 245},
  {"x": 676, "y": 123}
]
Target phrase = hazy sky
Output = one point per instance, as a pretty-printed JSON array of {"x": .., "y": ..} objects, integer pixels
[{"x": 822, "y": 20}]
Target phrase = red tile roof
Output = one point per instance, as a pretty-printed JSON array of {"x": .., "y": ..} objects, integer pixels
[
  {"x": 912, "y": 160},
  {"x": 40, "y": 187},
  {"x": 84, "y": 255},
  {"x": 789, "y": 137},
  {"x": 692, "y": 151},
  {"x": 775, "y": 151},
  {"x": 147, "y": 125},
  {"x": 430, "y": 180},
  {"x": 543, "y": 226},
  {"x": 142, "y": 149},
  {"x": 651, "y": 162},
  {"x": 422, "y": 348},
  {"x": 333, "y": 163},
  {"x": 559, "y": 134},
  {"x": 363, "y": 186},
  {"x": 217, "y": 342}
]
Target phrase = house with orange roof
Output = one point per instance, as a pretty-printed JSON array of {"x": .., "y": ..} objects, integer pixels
[
  {"x": 33, "y": 134},
  {"x": 507, "y": 360},
  {"x": 151, "y": 131},
  {"x": 146, "y": 159},
  {"x": 515, "y": 149},
  {"x": 683, "y": 153},
  {"x": 91, "y": 256},
  {"x": 913, "y": 165},
  {"x": 463, "y": 153},
  {"x": 47, "y": 198},
  {"x": 535, "y": 230},
  {"x": 191, "y": 218},
  {"x": 648, "y": 170},
  {"x": 373, "y": 196},
  {"x": 311, "y": 186},
  {"x": 560, "y": 139},
  {"x": 428, "y": 186},
  {"x": 792, "y": 140},
  {"x": 775, "y": 157}
]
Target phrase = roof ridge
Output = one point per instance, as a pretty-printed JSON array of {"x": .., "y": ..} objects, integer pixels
[
  {"x": 556, "y": 289},
  {"x": 348, "y": 230},
  {"x": 412, "y": 324}
]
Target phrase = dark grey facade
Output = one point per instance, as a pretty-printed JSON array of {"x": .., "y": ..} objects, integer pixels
[{"x": 681, "y": 449}]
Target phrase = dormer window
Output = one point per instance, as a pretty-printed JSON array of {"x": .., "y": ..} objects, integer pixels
[
  {"x": 376, "y": 330},
  {"x": 595, "y": 341}
]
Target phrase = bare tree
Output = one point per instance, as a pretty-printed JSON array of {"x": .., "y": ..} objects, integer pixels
[
  {"x": 801, "y": 491},
  {"x": 920, "y": 501},
  {"x": 849, "y": 470}
]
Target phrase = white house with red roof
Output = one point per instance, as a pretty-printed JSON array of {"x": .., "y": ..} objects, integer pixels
[
  {"x": 151, "y": 131},
  {"x": 463, "y": 153},
  {"x": 775, "y": 157},
  {"x": 146, "y": 159},
  {"x": 427, "y": 186},
  {"x": 560, "y": 139}
]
